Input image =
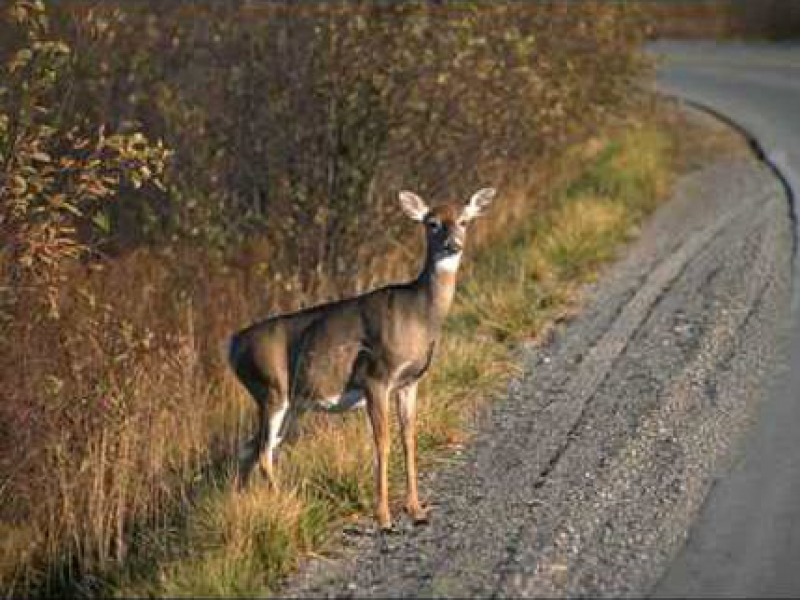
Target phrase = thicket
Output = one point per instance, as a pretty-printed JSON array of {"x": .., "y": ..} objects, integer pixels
[
  {"x": 765, "y": 19},
  {"x": 171, "y": 171}
]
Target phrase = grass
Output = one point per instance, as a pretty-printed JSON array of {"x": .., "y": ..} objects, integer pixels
[{"x": 150, "y": 510}]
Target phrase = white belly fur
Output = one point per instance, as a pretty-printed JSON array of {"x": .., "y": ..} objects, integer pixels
[{"x": 348, "y": 401}]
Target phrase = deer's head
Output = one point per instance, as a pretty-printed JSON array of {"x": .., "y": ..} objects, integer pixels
[{"x": 446, "y": 224}]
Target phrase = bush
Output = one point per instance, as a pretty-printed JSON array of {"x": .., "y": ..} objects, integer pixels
[
  {"x": 60, "y": 171},
  {"x": 725, "y": 19},
  {"x": 300, "y": 122}
]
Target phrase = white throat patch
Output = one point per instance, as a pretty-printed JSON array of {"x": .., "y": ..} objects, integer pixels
[{"x": 448, "y": 264}]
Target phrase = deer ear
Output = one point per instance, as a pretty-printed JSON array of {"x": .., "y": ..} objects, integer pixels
[
  {"x": 413, "y": 205},
  {"x": 478, "y": 203}
]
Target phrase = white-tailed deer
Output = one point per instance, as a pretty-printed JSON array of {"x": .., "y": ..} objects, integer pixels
[{"x": 358, "y": 351}]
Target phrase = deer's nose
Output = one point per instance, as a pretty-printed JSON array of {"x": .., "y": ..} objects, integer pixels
[{"x": 452, "y": 245}]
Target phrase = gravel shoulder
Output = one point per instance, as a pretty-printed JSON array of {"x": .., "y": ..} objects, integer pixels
[{"x": 586, "y": 478}]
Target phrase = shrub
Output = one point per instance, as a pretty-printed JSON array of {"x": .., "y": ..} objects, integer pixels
[{"x": 59, "y": 172}]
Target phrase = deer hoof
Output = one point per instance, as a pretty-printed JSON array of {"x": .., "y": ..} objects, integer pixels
[
  {"x": 419, "y": 515},
  {"x": 390, "y": 529},
  {"x": 420, "y": 520}
]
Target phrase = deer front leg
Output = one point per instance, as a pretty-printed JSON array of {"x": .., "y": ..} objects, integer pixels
[
  {"x": 407, "y": 413},
  {"x": 378, "y": 410}
]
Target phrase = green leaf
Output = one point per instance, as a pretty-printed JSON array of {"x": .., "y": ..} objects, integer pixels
[
  {"x": 71, "y": 208},
  {"x": 102, "y": 221},
  {"x": 21, "y": 58}
]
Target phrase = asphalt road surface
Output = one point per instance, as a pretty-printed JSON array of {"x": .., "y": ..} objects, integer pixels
[
  {"x": 746, "y": 541},
  {"x": 586, "y": 479}
]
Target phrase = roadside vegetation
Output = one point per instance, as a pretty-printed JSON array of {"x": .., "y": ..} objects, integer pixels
[
  {"x": 774, "y": 20},
  {"x": 171, "y": 172}
]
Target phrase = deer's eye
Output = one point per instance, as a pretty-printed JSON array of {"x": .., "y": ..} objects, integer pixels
[{"x": 434, "y": 225}]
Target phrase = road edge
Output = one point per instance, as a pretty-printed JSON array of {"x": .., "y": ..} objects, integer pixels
[{"x": 775, "y": 163}]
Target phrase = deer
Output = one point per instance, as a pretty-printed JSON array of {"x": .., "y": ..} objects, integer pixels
[{"x": 361, "y": 351}]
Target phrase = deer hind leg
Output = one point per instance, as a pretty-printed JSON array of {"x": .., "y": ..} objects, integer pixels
[
  {"x": 260, "y": 449},
  {"x": 378, "y": 411},
  {"x": 407, "y": 415},
  {"x": 273, "y": 420}
]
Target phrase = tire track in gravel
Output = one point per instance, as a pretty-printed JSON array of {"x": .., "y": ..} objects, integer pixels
[
  {"x": 660, "y": 427},
  {"x": 603, "y": 355},
  {"x": 585, "y": 479}
]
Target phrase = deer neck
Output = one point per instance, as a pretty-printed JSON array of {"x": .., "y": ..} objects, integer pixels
[{"x": 438, "y": 280}]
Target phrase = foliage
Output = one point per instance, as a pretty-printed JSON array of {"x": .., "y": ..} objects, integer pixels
[
  {"x": 298, "y": 122},
  {"x": 58, "y": 172},
  {"x": 724, "y": 19}
]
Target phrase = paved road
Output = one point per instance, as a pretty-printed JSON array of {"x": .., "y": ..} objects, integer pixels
[
  {"x": 586, "y": 478},
  {"x": 746, "y": 541}
]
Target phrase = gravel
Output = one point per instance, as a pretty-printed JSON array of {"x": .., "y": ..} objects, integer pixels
[{"x": 586, "y": 478}]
